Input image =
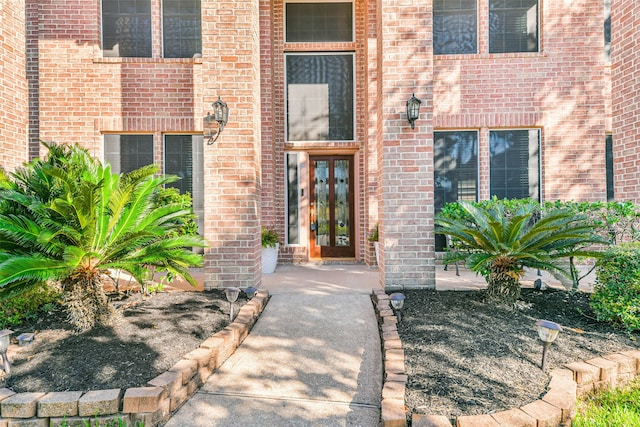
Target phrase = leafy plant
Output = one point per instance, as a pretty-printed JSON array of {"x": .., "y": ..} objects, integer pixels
[
  {"x": 186, "y": 224},
  {"x": 499, "y": 244},
  {"x": 374, "y": 235},
  {"x": 99, "y": 423},
  {"x": 14, "y": 311},
  {"x": 616, "y": 297},
  {"x": 269, "y": 238},
  {"x": 68, "y": 218}
]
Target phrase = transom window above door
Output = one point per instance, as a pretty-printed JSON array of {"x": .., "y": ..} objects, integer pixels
[
  {"x": 319, "y": 22},
  {"x": 320, "y": 99}
]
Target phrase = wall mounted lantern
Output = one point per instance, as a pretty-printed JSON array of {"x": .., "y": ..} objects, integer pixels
[
  {"x": 220, "y": 115},
  {"x": 548, "y": 332},
  {"x": 413, "y": 110}
]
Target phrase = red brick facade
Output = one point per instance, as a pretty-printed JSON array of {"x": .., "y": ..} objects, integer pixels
[
  {"x": 13, "y": 85},
  {"x": 76, "y": 94}
]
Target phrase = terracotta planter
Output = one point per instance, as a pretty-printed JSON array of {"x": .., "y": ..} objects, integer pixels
[{"x": 270, "y": 258}]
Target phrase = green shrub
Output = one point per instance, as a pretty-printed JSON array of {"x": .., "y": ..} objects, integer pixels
[
  {"x": 616, "y": 298},
  {"x": 269, "y": 238},
  {"x": 26, "y": 306},
  {"x": 187, "y": 223}
]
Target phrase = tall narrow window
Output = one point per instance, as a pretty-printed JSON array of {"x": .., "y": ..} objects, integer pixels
[
  {"x": 320, "y": 97},
  {"x": 607, "y": 30},
  {"x": 455, "y": 172},
  {"x": 183, "y": 157},
  {"x": 319, "y": 22},
  {"x": 181, "y": 28},
  {"x": 609, "y": 168},
  {"x": 293, "y": 199},
  {"x": 126, "y": 28},
  {"x": 515, "y": 164},
  {"x": 126, "y": 153},
  {"x": 513, "y": 26},
  {"x": 454, "y": 27}
]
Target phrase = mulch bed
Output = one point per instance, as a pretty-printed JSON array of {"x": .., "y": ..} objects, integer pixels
[
  {"x": 464, "y": 357},
  {"x": 150, "y": 336}
]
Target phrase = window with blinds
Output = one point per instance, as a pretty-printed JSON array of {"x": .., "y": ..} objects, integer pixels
[
  {"x": 455, "y": 172},
  {"x": 320, "y": 99},
  {"x": 181, "y": 28},
  {"x": 513, "y": 26},
  {"x": 454, "y": 27},
  {"x": 515, "y": 164},
  {"x": 126, "y": 153},
  {"x": 319, "y": 22},
  {"x": 609, "y": 168},
  {"x": 183, "y": 157},
  {"x": 126, "y": 28}
]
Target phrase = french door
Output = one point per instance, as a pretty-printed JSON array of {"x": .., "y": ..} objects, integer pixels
[{"x": 332, "y": 233}]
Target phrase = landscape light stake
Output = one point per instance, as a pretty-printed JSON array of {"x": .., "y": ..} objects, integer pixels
[
  {"x": 397, "y": 302},
  {"x": 232, "y": 296},
  {"x": 251, "y": 292},
  {"x": 548, "y": 332},
  {"x": 5, "y": 335}
]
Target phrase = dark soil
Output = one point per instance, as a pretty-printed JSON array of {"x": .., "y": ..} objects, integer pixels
[
  {"x": 464, "y": 357},
  {"x": 146, "y": 340}
]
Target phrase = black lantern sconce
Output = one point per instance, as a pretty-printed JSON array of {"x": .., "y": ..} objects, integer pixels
[
  {"x": 220, "y": 115},
  {"x": 413, "y": 110}
]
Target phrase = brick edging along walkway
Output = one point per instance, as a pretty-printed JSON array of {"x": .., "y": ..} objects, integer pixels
[
  {"x": 554, "y": 409},
  {"x": 151, "y": 404}
]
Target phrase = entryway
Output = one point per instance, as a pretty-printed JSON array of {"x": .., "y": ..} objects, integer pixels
[{"x": 332, "y": 225}]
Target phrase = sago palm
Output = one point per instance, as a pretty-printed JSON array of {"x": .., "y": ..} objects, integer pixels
[
  {"x": 500, "y": 246},
  {"x": 70, "y": 219}
]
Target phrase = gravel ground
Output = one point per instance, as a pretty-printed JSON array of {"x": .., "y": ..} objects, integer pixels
[
  {"x": 148, "y": 338},
  {"x": 465, "y": 357}
]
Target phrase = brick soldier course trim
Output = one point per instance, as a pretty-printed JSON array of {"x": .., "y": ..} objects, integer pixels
[
  {"x": 555, "y": 408},
  {"x": 151, "y": 404}
]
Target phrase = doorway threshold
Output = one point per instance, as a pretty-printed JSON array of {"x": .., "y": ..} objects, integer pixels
[{"x": 333, "y": 261}]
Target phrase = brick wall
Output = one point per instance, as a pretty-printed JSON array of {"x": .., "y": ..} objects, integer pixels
[
  {"x": 561, "y": 90},
  {"x": 13, "y": 85},
  {"x": 625, "y": 66},
  {"x": 405, "y": 155}
]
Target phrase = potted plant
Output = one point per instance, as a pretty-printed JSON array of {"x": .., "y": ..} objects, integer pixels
[
  {"x": 270, "y": 248},
  {"x": 374, "y": 238}
]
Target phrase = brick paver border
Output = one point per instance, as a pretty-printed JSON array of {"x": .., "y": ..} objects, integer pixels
[
  {"x": 556, "y": 408},
  {"x": 152, "y": 403}
]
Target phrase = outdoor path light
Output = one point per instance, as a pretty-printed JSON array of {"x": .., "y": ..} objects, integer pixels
[
  {"x": 251, "y": 292},
  {"x": 397, "y": 302},
  {"x": 232, "y": 296},
  {"x": 413, "y": 110},
  {"x": 548, "y": 332},
  {"x": 220, "y": 115},
  {"x": 5, "y": 335}
]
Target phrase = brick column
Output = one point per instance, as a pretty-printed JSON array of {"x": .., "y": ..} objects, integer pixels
[
  {"x": 625, "y": 67},
  {"x": 230, "y": 69},
  {"x": 406, "y": 155},
  {"x": 13, "y": 85}
]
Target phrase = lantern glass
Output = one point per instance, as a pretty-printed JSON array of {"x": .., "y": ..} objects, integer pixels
[
  {"x": 5, "y": 335},
  {"x": 413, "y": 110},
  {"x": 220, "y": 112},
  {"x": 548, "y": 331},
  {"x": 232, "y": 294}
]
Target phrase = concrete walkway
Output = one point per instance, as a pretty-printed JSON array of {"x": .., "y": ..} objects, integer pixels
[{"x": 312, "y": 359}]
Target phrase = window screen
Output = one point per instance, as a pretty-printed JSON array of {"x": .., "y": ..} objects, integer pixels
[
  {"x": 319, "y": 22},
  {"x": 455, "y": 174},
  {"x": 293, "y": 200},
  {"x": 183, "y": 156},
  {"x": 126, "y": 28},
  {"x": 181, "y": 29},
  {"x": 320, "y": 97},
  {"x": 126, "y": 153},
  {"x": 609, "y": 166},
  {"x": 454, "y": 27},
  {"x": 515, "y": 164},
  {"x": 513, "y": 26}
]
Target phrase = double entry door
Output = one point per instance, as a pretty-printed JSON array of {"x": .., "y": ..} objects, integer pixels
[{"x": 332, "y": 225}]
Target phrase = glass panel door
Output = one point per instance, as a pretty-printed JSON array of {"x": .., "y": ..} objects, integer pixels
[{"x": 332, "y": 230}]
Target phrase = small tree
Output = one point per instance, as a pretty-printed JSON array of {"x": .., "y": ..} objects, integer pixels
[
  {"x": 500, "y": 246},
  {"x": 68, "y": 218}
]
